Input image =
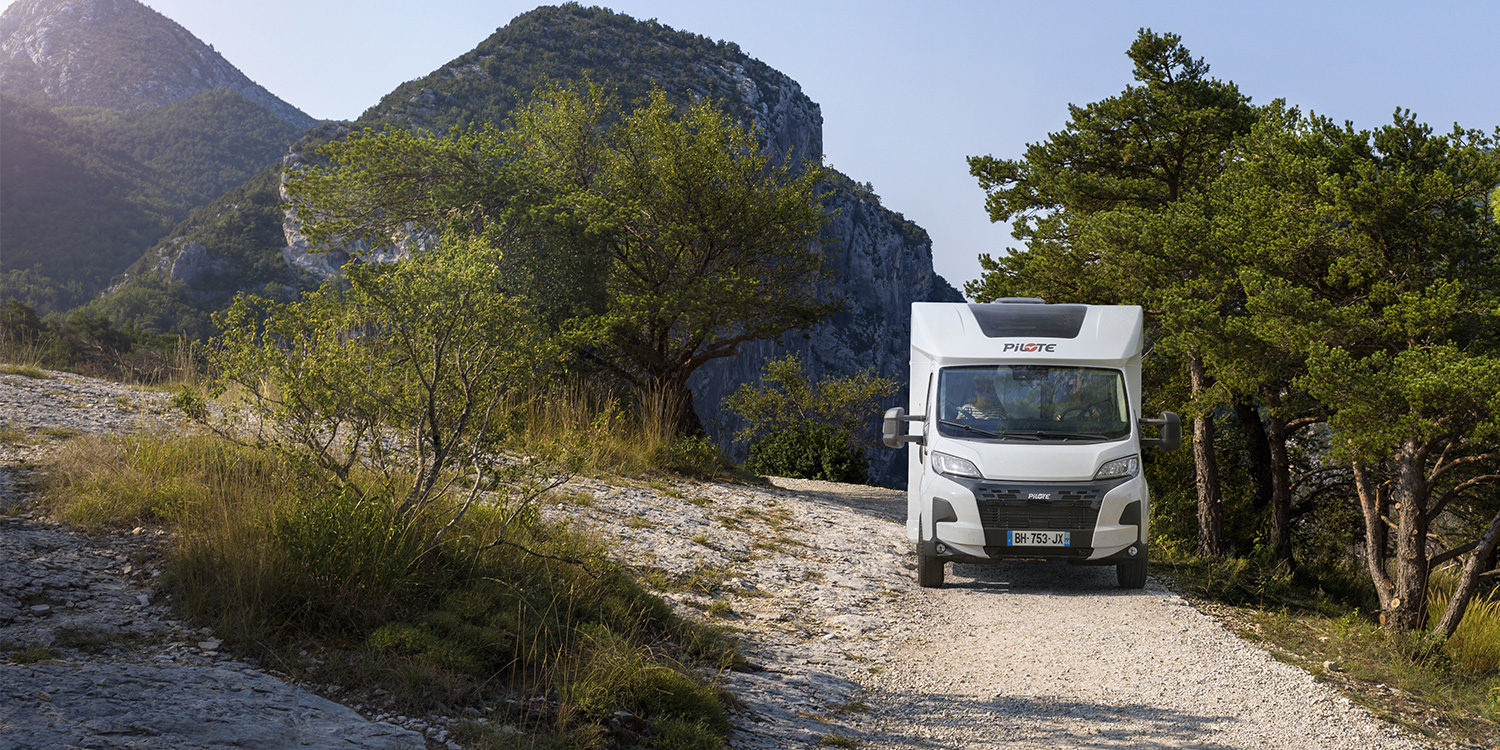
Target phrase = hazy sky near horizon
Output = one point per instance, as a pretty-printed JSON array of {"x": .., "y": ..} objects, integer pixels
[{"x": 908, "y": 90}]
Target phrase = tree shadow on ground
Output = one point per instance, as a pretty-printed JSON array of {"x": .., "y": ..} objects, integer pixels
[{"x": 944, "y": 720}]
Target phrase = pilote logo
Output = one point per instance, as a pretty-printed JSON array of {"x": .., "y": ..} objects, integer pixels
[{"x": 1029, "y": 347}]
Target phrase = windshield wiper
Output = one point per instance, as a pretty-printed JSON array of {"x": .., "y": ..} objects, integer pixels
[
  {"x": 970, "y": 428},
  {"x": 1071, "y": 435}
]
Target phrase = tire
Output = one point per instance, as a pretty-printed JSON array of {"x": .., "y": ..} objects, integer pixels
[
  {"x": 929, "y": 571},
  {"x": 1132, "y": 574}
]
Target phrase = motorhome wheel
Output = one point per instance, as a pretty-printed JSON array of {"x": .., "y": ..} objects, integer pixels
[
  {"x": 929, "y": 571},
  {"x": 1132, "y": 575}
]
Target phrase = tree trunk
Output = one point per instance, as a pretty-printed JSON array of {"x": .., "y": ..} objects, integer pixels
[
  {"x": 1404, "y": 613},
  {"x": 669, "y": 401},
  {"x": 1210, "y": 501},
  {"x": 1281, "y": 479},
  {"x": 1372, "y": 505},
  {"x": 1257, "y": 449},
  {"x": 1479, "y": 560}
]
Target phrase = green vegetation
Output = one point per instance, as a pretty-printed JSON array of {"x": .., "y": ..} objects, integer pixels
[
  {"x": 87, "y": 191},
  {"x": 88, "y": 343},
  {"x": 809, "y": 430},
  {"x": 366, "y": 496},
  {"x": 1322, "y": 301},
  {"x": 239, "y": 234},
  {"x": 569, "y": 43},
  {"x": 402, "y": 370},
  {"x": 141, "y": 170},
  {"x": 1328, "y": 295},
  {"x": 810, "y": 451},
  {"x": 280, "y": 561},
  {"x": 33, "y": 654},
  {"x": 1130, "y": 173},
  {"x": 682, "y": 241}
]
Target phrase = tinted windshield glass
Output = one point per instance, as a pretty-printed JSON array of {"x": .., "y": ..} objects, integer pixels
[{"x": 1032, "y": 402}]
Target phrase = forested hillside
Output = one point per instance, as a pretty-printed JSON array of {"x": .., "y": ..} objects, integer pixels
[
  {"x": 117, "y": 124},
  {"x": 880, "y": 262}
]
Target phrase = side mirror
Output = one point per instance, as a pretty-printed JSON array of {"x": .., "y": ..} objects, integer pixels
[
  {"x": 1169, "y": 437},
  {"x": 893, "y": 429}
]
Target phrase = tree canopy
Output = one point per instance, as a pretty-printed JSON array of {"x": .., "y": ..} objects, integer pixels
[
  {"x": 1112, "y": 209},
  {"x": 655, "y": 240},
  {"x": 1328, "y": 293}
]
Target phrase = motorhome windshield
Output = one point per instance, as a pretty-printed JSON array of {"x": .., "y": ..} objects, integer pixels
[{"x": 1032, "y": 402}]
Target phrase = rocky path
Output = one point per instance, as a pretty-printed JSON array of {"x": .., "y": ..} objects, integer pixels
[
  {"x": 816, "y": 576},
  {"x": 87, "y": 658}
]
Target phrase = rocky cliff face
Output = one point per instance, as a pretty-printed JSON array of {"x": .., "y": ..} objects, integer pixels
[
  {"x": 884, "y": 263},
  {"x": 117, "y": 54},
  {"x": 628, "y": 56}
]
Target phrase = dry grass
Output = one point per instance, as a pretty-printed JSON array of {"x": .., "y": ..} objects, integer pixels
[
  {"x": 1475, "y": 647},
  {"x": 609, "y": 434},
  {"x": 283, "y": 565}
]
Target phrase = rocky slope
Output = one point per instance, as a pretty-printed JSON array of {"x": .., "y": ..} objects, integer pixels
[
  {"x": 883, "y": 264},
  {"x": 116, "y": 54}
]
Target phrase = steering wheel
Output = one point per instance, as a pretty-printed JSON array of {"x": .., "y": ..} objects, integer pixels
[{"x": 1082, "y": 411}]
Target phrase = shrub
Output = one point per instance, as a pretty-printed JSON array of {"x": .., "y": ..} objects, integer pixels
[
  {"x": 279, "y": 562},
  {"x": 810, "y": 430},
  {"x": 809, "y": 451}
]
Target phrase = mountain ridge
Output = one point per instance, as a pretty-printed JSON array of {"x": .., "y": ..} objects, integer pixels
[
  {"x": 43, "y": 59},
  {"x": 118, "y": 123}
]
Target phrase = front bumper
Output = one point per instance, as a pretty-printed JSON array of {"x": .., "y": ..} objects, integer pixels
[{"x": 971, "y": 519}]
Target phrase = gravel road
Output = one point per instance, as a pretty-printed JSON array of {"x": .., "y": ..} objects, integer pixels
[
  {"x": 1046, "y": 655},
  {"x": 1050, "y": 655}
]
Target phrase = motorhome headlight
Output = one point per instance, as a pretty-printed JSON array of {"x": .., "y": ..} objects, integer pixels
[
  {"x": 1115, "y": 468},
  {"x": 954, "y": 466}
]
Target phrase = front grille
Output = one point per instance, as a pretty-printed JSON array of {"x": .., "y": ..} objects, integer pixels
[{"x": 1058, "y": 508}]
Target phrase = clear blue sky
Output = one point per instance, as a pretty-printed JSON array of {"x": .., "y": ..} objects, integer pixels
[{"x": 909, "y": 89}]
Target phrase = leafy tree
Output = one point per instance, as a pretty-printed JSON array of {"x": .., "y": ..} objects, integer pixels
[
  {"x": 1112, "y": 210},
  {"x": 712, "y": 247},
  {"x": 1379, "y": 270},
  {"x": 1259, "y": 230},
  {"x": 19, "y": 325},
  {"x": 786, "y": 398},
  {"x": 429, "y": 348},
  {"x": 668, "y": 239}
]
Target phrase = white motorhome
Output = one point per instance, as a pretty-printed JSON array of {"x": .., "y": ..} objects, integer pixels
[{"x": 1028, "y": 436}]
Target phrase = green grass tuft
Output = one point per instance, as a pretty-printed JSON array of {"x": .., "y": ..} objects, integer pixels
[{"x": 26, "y": 371}]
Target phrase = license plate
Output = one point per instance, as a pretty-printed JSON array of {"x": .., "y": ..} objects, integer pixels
[{"x": 1038, "y": 538}]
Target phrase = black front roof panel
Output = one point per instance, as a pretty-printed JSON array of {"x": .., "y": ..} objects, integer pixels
[{"x": 1010, "y": 320}]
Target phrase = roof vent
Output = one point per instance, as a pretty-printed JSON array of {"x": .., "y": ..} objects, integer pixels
[{"x": 1029, "y": 320}]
